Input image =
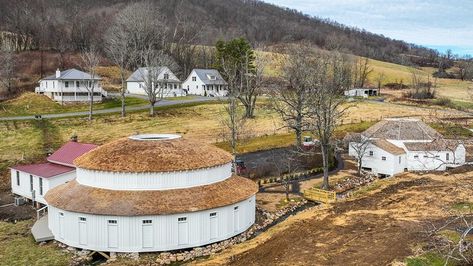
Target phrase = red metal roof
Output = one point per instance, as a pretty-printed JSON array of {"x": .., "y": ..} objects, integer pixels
[
  {"x": 69, "y": 152},
  {"x": 44, "y": 169}
]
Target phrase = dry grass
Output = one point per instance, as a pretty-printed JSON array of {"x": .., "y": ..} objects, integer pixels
[{"x": 28, "y": 140}]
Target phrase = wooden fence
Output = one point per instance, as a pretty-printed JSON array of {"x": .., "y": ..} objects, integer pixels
[{"x": 320, "y": 195}]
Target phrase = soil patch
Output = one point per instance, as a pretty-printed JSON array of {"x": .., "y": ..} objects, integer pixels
[
  {"x": 11, "y": 213},
  {"x": 376, "y": 229}
]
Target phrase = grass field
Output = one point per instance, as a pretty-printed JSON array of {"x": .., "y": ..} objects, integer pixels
[
  {"x": 28, "y": 141},
  {"x": 31, "y": 104},
  {"x": 19, "y": 248},
  {"x": 451, "y": 88}
]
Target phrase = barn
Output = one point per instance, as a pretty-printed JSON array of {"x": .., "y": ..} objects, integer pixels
[{"x": 152, "y": 192}]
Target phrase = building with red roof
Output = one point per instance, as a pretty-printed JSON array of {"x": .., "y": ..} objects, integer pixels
[{"x": 32, "y": 181}]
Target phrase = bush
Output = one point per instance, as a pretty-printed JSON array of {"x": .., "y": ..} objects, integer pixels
[
  {"x": 396, "y": 86},
  {"x": 421, "y": 94},
  {"x": 443, "y": 75}
]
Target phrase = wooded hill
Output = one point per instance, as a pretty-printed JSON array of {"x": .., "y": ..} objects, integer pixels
[{"x": 70, "y": 25}]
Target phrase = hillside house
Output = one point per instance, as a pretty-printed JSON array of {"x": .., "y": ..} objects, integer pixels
[
  {"x": 362, "y": 92},
  {"x": 393, "y": 146},
  {"x": 205, "y": 82},
  {"x": 169, "y": 83},
  {"x": 32, "y": 181},
  {"x": 71, "y": 85}
]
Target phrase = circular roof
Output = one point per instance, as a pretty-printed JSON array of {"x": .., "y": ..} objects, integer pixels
[
  {"x": 75, "y": 197},
  {"x": 153, "y": 153}
]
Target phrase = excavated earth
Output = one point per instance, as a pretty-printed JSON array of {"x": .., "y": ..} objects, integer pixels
[{"x": 385, "y": 224}]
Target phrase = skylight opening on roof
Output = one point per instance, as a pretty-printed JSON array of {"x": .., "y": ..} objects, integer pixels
[{"x": 154, "y": 137}]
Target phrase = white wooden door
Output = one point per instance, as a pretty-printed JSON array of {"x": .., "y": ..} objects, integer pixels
[
  {"x": 147, "y": 234},
  {"x": 213, "y": 227},
  {"x": 112, "y": 229},
  {"x": 183, "y": 233},
  {"x": 82, "y": 232},
  {"x": 61, "y": 225},
  {"x": 236, "y": 219}
]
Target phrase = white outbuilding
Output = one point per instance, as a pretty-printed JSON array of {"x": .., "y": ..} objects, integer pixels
[
  {"x": 397, "y": 145},
  {"x": 32, "y": 181},
  {"x": 152, "y": 192},
  {"x": 362, "y": 92}
]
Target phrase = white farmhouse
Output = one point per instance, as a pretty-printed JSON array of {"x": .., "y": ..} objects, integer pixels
[
  {"x": 151, "y": 192},
  {"x": 396, "y": 145},
  {"x": 32, "y": 181},
  {"x": 71, "y": 85},
  {"x": 205, "y": 82},
  {"x": 172, "y": 85}
]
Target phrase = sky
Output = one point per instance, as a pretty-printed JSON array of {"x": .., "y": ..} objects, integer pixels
[{"x": 438, "y": 24}]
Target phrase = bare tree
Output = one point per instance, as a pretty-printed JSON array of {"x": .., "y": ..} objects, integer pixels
[
  {"x": 7, "y": 73},
  {"x": 119, "y": 49},
  {"x": 465, "y": 68},
  {"x": 361, "y": 71},
  {"x": 234, "y": 121},
  {"x": 359, "y": 144},
  {"x": 253, "y": 79},
  {"x": 291, "y": 100},
  {"x": 153, "y": 80},
  {"x": 90, "y": 61},
  {"x": 331, "y": 78},
  {"x": 285, "y": 164},
  {"x": 379, "y": 80}
]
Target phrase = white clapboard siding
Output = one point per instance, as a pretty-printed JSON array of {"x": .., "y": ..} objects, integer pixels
[
  {"x": 153, "y": 181},
  {"x": 129, "y": 234}
]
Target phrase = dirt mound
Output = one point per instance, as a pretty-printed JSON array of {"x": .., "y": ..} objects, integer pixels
[{"x": 376, "y": 229}]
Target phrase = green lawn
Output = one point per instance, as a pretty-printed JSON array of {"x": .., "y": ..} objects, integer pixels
[{"x": 17, "y": 247}]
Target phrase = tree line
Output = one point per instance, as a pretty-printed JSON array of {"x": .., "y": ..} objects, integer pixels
[{"x": 67, "y": 25}]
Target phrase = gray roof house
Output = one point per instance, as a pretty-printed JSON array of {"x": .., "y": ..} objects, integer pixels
[
  {"x": 142, "y": 72},
  {"x": 71, "y": 74},
  {"x": 71, "y": 85},
  {"x": 168, "y": 82},
  {"x": 205, "y": 82}
]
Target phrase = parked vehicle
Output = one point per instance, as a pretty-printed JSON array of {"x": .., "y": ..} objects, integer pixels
[
  {"x": 308, "y": 142},
  {"x": 240, "y": 167}
]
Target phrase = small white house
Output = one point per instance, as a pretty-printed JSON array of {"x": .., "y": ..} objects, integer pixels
[
  {"x": 32, "y": 181},
  {"x": 393, "y": 146},
  {"x": 362, "y": 92},
  {"x": 71, "y": 85},
  {"x": 205, "y": 82},
  {"x": 171, "y": 84}
]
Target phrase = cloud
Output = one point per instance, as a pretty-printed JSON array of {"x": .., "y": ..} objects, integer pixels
[{"x": 430, "y": 23}]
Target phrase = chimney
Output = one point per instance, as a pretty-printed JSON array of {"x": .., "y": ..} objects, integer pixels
[
  {"x": 74, "y": 138},
  {"x": 58, "y": 73}
]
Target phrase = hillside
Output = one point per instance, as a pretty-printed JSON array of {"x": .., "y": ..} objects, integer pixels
[{"x": 75, "y": 23}]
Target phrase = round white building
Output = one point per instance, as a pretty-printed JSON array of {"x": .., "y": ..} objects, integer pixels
[{"x": 151, "y": 193}]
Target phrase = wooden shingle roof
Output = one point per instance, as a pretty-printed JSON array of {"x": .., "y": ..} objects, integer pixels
[
  {"x": 128, "y": 155},
  {"x": 389, "y": 147},
  {"x": 402, "y": 129},
  {"x": 75, "y": 197}
]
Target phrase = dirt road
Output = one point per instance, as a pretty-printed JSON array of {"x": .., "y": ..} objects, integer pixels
[{"x": 376, "y": 229}]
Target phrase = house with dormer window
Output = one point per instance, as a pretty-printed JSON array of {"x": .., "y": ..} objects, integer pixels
[
  {"x": 205, "y": 82},
  {"x": 171, "y": 85}
]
